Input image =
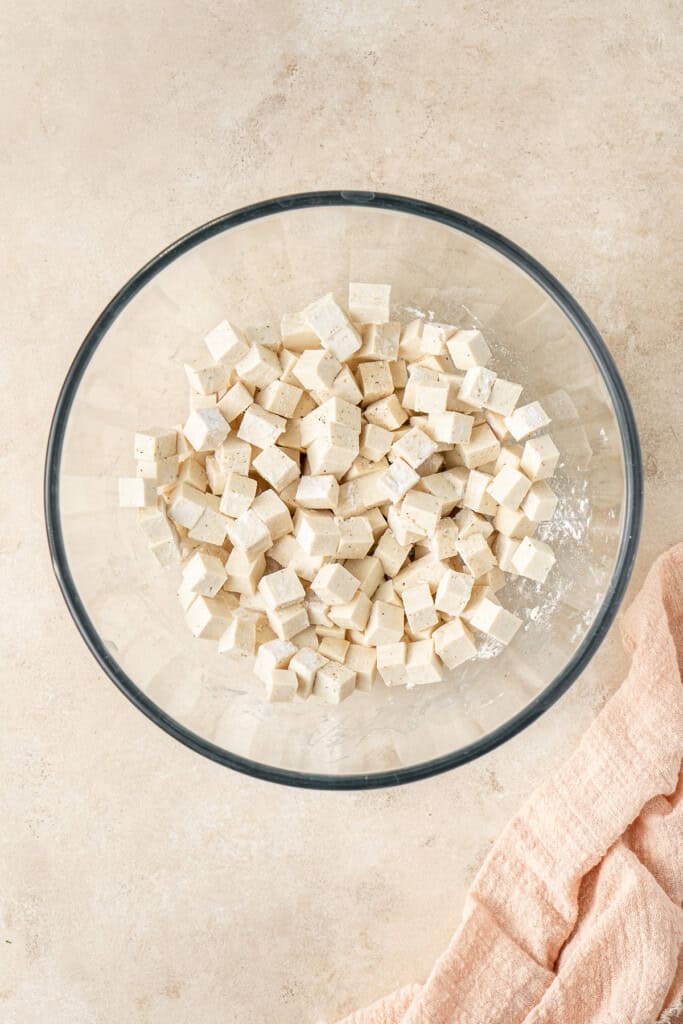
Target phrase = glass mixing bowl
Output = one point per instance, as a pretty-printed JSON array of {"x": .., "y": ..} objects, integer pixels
[{"x": 253, "y": 265}]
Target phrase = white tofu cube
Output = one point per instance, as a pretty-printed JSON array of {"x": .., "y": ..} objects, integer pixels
[
  {"x": 267, "y": 334},
  {"x": 444, "y": 541},
  {"x": 335, "y": 585},
  {"x": 509, "y": 456},
  {"x": 362, "y": 661},
  {"x": 429, "y": 397},
  {"x": 273, "y": 656},
  {"x": 239, "y": 639},
  {"x": 330, "y": 323},
  {"x": 234, "y": 456},
  {"x": 418, "y": 604},
  {"x": 205, "y": 429},
  {"x": 469, "y": 522},
  {"x": 355, "y": 537},
  {"x": 167, "y": 552},
  {"x": 434, "y": 337},
  {"x": 476, "y": 387},
  {"x": 477, "y": 495},
  {"x": 154, "y": 523},
  {"x": 509, "y": 487},
  {"x": 333, "y": 451},
  {"x": 453, "y": 592},
  {"x": 367, "y": 571},
  {"x": 212, "y": 525},
  {"x": 318, "y": 492},
  {"x": 385, "y": 625},
  {"x": 273, "y": 512},
  {"x": 276, "y": 468},
  {"x": 387, "y": 413},
  {"x": 281, "y": 686},
  {"x": 316, "y": 532},
  {"x": 453, "y": 643},
  {"x": 398, "y": 480},
  {"x": 491, "y": 618},
  {"x": 287, "y": 622},
  {"x": 533, "y": 558},
  {"x": 259, "y": 367},
  {"x": 280, "y": 398},
  {"x": 243, "y": 572},
  {"x": 540, "y": 503},
  {"x": 193, "y": 473},
  {"x": 476, "y": 554},
  {"x": 238, "y": 495},
  {"x": 249, "y": 534},
  {"x": 414, "y": 447},
  {"x": 375, "y": 381},
  {"x": 155, "y": 443},
  {"x": 260, "y": 427},
  {"x": 352, "y": 615},
  {"x": 404, "y": 529},
  {"x": 424, "y": 510},
  {"x": 503, "y": 397},
  {"x": 334, "y": 683},
  {"x": 391, "y": 663},
  {"x": 306, "y": 664},
  {"x": 422, "y": 664},
  {"x": 160, "y": 472},
  {"x": 316, "y": 369},
  {"x": 209, "y": 617},
  {"x": 296, "y": 334},
  {"x": 137, "y": 492},
  {"x": 399, "y": 373},
  {"x": 375, "y": 442},
  {"x": 526, "y": 420},
  {"x": 448, "y": 487},
  {"x": 235, "y": 401},
  {"x": 207, "y": 378},
  {"x": 369, "y": 303},
  {"x": 204, "y": 574},
  {"x": 380, "y": 341},
  {"x": 338, "y": 410},
  {"x": 186, "y": 505},
  {"x": 282, "y": 588},
  {"x": 513, "y": 523},
  {"x": 344, "y": 386},
  {"x": 540, "y": 457},
  {"x": 226, "y": 344},
  {"x": 391, "y": 554},
  {"x": 377, "y": 522},
  {"x": 504, "y": 548},
  {"x": 468, "y": 349},
  {"x": 451, "y": 427},
  {"x": 482, "y": 447}
]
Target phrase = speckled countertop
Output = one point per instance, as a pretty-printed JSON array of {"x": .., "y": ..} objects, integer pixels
[{"x": 141, "y": 883}]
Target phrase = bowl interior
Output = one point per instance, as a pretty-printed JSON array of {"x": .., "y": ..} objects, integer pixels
[{"x": 253, "y": 271}]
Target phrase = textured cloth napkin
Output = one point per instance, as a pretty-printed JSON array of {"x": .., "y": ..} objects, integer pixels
[{"x": 575, "y": 916}]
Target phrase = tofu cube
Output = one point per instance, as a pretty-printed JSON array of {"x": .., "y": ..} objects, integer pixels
[
  {"x": 166, "y": 552},
  {"x": 430, "y": 397},
  {"x": 154, "y": 523},
  {"x": 276, "y": 468},
  {"x": 226, "y": 344},
  {"x": 212, "y": 525},
  {"x": 477, "y": 495},
  {"x": 281, "y": 686},
  {"x": 454, "y": 592},
  {"x": 334, "y": 683},
  {"x": 155, "y": 443},
  {"x": 273, "y": 656},
  {"x": 193, "y": 473},
  {"x": 287, "y": 622},
  {"x": 526, "y": 420},
  {"x": 482, "y": 447},
  {"x": 137, "y": 492},
  {"x": 387, "y": 413},
  {"x": 344, "y": 386},
  {"x": 385, "y": 625},
  {"x": 414, "y": 447},
  {"x": 424, "y": 510},
  {"x": 540, "y": 457},
  {"x": 239, "y": 639},
  {"x": 282, "y": 588},
  {"x": 513, "y": 523},
  {"x": 404, "y": 529},
  {"x": 476, "y": 387},
  {"x": 533, "y": 558},
  {"x": 380, "y": 341},
  {"x": 205, "y": 429},
  {"x": 273, "y": 512},
  {"x": 391, "y": 554},
  {"x": 468, "y": 349},
  {"x": 422, "y": 664},
  {"x": 362, "y": 661},
  {"x": 317, "y": 369},
  {"x": 399, "y": 373},
  {"x": 259, "y": 367},
  {"x": 280, "y": 398},
  {"x": 209, "y": 617},
  {"x": 352, "y": 615},
  {"x": 334, "y": 584},
  {"x": 476, "y": 554},
  {"x": 260, "y": 428},
  {"x": 243, "y": 572},
  {"x": 369, "y": 303},
  {"x": 470, "y": 522},
  {"x": 333, "y": 451},
  {"x": 391, "y": 663},
  {"x": 540, "y": 503},
  {"x": 451, "y": 427},
  {"x": 448, "y": 487},
  {"x": 235, "y": 401},
  {"x": 318, "y": 492},
  {"x": 333, "y": 327},
  {"x": 234, "y": 456},
  {"x": 398, "y": 480},
  {"x": 267, "y": 334},
  {"x": 204, "y": 574},
  {"x": 418, "y": 604},
  {"x": 186, "y": 505},
  {"x": 509, "y": 456},
  {"x": 503, "y": 397},
  {"x": 367, "y": 571},
  {"x": 338, "y": 410},
  {"x": 296, "y": 334},
  {"x": 306, "y": 664},
  {"x": 375, "y": 442},
  {"x": 355, "y": 537},
  {"x": 504, "y": 549},
  {"x": 491, "y": 618},
  {"x": 509, "y": 487},
  {"x": 316, "y": 532},
  {"x": 497, "y": 425},
  {"x": 207, "y": 378},
  {"x": 238, "y": 495},
  {"x": 249, "y": 534},
  {"x": 160, "y": 472},
  {"x": 375, "y": 381},
  {"x": 444, "y": 541},
  {"x": 453, "y": 643}
]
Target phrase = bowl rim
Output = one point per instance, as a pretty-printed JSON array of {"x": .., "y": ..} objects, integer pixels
[{"x": 632, "y": 467}]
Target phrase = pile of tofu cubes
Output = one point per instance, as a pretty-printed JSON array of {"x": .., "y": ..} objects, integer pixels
[{"x": 346, "y": 496}]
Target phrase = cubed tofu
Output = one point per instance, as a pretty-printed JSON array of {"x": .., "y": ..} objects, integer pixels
[
  {"x": 355, "y": 537},
  {"x": 305, "y": 664},
  {"x": 334, "y": 683},
  {"x": 375, "y": 381},
  {"x": 226, "y": 343},
  {"x": 418, "y": 604},
  {"x": 239, "y": 639},
  {"x": 526, "y": 420},
  {"x": 398, "y": 480},
  {"x": 391, "y": 663},
  {"x": 476, "y": 554},
  {"x": 424, "y": 510},
  {"x": 205, "y": 429},
  {"x": 330, "y": 323},
  {"x": 204, "y": 574},
  {"x": 414, "y": 447},
  {"x": 334, "y": 584},
  {"x": 282, "y": 588},
  {"x": 509, "y": 487},
  {"x": 155, "y": 443},
  {"x": 316, "y": 532},
  {"x": 453, "y": 643},
  {"x": 385, "y": 625},
  {"x": 209, "y": 617},
  {"x": 273, "y": 512},
  {"x": 354, "y": 614},
  {"x": 137, "y": 492},
  {"x": 276, "y": 468},
  {"x": 259, "y": 367},
  {"x": 491, "y": 618},
  {"x": 235, "y": 401},
  {"x": 477, "y": 496},
  {"x": 207, "y": 378},
  {"x": 540, "y": 457},
  {"x": 540, "y": 502},
  {"x": 533, "y": 558},
  {"x": 280, "y": 398},
  {"x": 250, "y": 534},
  {"x": 387, "y": 413},
  {"x": 238, "y": 494},
  {"x": 260, "y": 427},
  {"x": 318, "y": 492},
  {"x": 468, "y": 349},
  {"x": 482, "y": 447},
  {"x": 454, "y": 592}
]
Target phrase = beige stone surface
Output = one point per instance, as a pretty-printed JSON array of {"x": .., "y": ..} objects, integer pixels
[{"x": 140, "y": 883}]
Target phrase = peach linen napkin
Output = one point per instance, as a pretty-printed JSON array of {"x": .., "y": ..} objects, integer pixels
[{"x": 575, "y": 916}]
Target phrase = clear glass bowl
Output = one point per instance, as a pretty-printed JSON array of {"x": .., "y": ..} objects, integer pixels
[{"x": 252, "y": 265}]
